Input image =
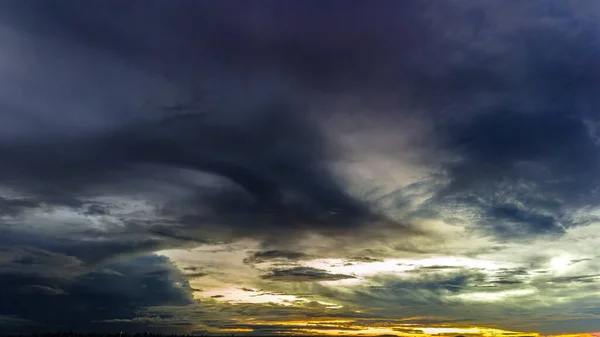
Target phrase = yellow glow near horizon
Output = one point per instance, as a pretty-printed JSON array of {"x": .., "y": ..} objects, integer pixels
[
  {"x": 427, "y": 332},
  {"x": 250, "y": 288},
  {"x": 347, "y": 328}
]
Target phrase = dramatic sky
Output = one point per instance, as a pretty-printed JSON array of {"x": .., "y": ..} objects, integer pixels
[{"x": 414, "y": 168}]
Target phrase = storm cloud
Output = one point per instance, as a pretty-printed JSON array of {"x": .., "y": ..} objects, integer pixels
[{"x": 322, "y": 140}]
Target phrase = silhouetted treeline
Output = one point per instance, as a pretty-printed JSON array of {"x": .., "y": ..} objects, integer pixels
[
  {"x": 124, "y": 334},
  {"x": 116, "y": 334}
]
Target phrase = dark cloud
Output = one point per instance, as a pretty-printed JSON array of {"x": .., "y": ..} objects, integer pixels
[
  {"x": 510, "y": 220},
  {"x": 303, "y": 274},
  {"x": 194, "y": 275},
  {"x": 51, "y": 302},
  {"x": 96, "y": 209},
  {"x": 507, "y": 282},
  {"x": 92, "y": 251},
  {"x": 576, "y": 279},
  {"x": 267, "y": 151},
  {"x": 364, "y": 259},
  {"x": 516, "y": 146},
  {"x": 580, "y": 260},
  {"x": 36, "y": 262},
  {"x": 513, "y": 272},
  {"x": 527, "y": 155},
  {"x": 435, "y": 268},
  {"x": 13, "y": 207},
  {"x": 269, "y": 255}
]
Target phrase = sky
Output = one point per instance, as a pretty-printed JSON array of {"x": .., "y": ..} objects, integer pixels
[{"x": 411, "y": 168}]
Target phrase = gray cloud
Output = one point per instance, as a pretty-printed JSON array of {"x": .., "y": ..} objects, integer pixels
[
  {"x": 79, "y": 301},
  {"x": 303, "y": 274},
  {"x": 269, "y": 255},
  {"x": 13, "y": 207},
  {"x": 194, "y": 275},
  {"x": 269, "y": 158},
  {"x": 579, "y": 278},
  {"x": 364, "y": 259},
  {"x": 267, "y": 153}
]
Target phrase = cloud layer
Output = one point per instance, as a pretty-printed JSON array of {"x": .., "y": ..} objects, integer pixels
[{"x": 434, "y": 161}]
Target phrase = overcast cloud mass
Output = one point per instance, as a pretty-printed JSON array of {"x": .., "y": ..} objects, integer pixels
[{"x": 411, "y": 168}]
